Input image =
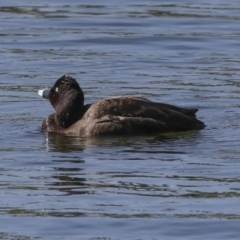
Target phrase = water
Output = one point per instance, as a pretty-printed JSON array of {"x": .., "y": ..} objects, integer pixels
[{"x": 185, "y": 186}]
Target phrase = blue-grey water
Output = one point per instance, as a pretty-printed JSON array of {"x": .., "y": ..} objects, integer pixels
[{"x": 184, "y": 186}]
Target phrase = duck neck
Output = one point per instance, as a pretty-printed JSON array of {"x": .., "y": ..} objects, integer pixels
[{"x": 69, "y": 114}]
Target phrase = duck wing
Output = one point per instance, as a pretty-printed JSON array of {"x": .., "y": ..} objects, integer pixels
[
  {"x": 116, "y": 125},
  {"x": 143, "y": 114},
  {"x": 127, "y": 106}
]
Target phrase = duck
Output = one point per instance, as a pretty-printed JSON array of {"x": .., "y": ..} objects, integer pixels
[{"x": 121, "y": 115}]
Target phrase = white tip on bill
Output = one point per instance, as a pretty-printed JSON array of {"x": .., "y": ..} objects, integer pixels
[
  {"x": 44, "y": 93},
  {"x": 40, "y": 92}
]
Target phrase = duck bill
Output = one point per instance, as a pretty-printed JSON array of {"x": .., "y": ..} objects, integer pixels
[{"x": 44, "y": 93}]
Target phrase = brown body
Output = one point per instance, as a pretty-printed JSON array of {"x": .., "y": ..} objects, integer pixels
[{"x": 117, "y": 116}]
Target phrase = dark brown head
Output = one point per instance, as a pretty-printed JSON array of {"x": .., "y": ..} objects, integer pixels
[{"x": 67, "y": 99}]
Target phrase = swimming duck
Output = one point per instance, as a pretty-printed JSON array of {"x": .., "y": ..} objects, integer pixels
[{"x": 112, "y": 116}]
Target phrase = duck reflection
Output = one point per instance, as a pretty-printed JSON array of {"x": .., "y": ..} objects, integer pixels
[
  {"x": 70, "y": 185},
  {"x": 73, "y": 173},
  {"x": 62, "y": 143}
]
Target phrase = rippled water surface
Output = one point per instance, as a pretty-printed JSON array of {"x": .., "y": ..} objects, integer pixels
[{"x": 181, "y": 186}]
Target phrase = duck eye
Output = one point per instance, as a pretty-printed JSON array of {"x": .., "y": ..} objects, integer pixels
[{"x": 56, "y": 89}]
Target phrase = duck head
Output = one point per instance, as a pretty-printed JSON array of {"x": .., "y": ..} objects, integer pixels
[{"x": 67, "y": 99}]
